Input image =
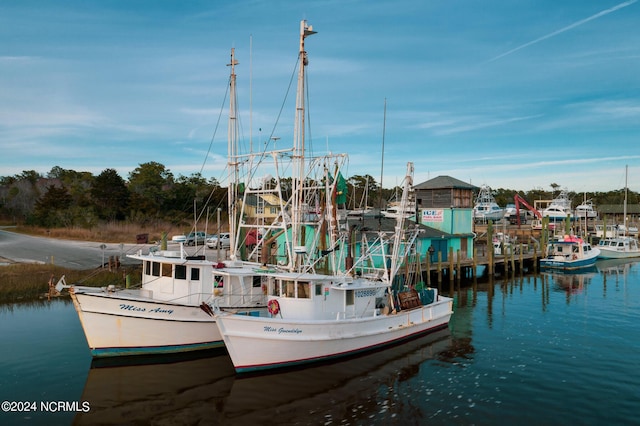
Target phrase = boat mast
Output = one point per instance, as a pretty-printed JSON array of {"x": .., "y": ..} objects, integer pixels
[
  {"x": 624, "y": 210},
  {"x": 232, "y": 156},
  {"x": 399, "y": 239},
  {"x": 299, "y": 147}
]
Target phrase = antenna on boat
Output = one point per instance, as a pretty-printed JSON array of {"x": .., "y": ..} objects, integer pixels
[
  {"x": 298, "y": 145},
  {"x": 232, "y": 155},
  {"x": 250, "y": 93},
  {"x": 384, "y": 127}
]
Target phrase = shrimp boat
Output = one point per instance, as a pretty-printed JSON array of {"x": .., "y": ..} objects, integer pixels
[
  {"x": 331, "y": 297},
  {"x": 172, "y": 311}
]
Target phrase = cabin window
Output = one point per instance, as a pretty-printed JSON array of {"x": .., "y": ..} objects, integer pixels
[
  {"x": 181, "y": 272},
  {"x": 257, "y": 281},
  {"x": 155, "y": 269},
  {"x": 350, "y": 297},
  {"x": 195, "y": 274},
  {"x": 304, "y": 290},
  {"x": 318, "y": 289},
  {"x": 218, "y": 282},
  {"x": 147, "y": 268},
  {"x": 289, "y": 288},
  {"x": 166, "y": 269}
]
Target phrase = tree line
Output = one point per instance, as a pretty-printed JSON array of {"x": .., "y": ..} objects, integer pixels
[
  {"x": 68, "y": 198},
  {"x": 151, "y": 192}
]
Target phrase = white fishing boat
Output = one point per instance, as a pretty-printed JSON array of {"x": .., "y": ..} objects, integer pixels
[
  {"x": 394, "y": 211},
  {"x": 325, "y": 304},
  {"x": 172, "y": 312},
  {"x": 569, "y": 253},
  {"x": 559, "y": 208},
  {"x": 586, "y": 210},
  {"x": 623, "y": 245},
  {"x": 485, "y": 207}
]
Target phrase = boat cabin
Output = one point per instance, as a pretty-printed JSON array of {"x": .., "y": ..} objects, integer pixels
[
  {"x": 169, "y": 276},
  {"x": 325, "y": 297}
]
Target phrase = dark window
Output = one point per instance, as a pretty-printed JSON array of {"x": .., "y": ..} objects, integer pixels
[
  {"x": 181, "y": 272},
  {"x": 147, "y": 268},
  {"x": 195, "y": 274},
  {"x": 350, "y": 297},
  {"x": 156, "y": 269},
  {"x": 166, "y": 269}
]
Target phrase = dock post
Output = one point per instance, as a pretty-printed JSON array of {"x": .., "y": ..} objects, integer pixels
[
  {"x": 521, "y": 257},
  {"x": 512, "y": 249},
  {"x": 490, "y": 247},
  {"x": 451, "y": 264},
  {"x": 439, "y": 268},
  {"x": 474, "y": 263}
]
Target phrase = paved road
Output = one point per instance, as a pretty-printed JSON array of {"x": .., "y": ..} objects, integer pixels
[
  {"x": 72, "y": 254},
  {"x": 69, "y": 254}
]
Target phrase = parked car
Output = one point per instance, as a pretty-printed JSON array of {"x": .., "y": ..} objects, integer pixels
[
  {"x": 179, "y": 238},
  {"x": 196, "y": 238},
  {"x": 223, "y": 239}
]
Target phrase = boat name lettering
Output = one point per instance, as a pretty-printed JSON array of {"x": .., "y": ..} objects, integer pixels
[
  {"x": 281, "y": 330},
  {"x": 134, "y": 308},
  {"x": 162, "y": 311},
  {"x": 366, "y": 293},
  {"x": 131, "y": 308},
  {"x": 289, "y": 330}
]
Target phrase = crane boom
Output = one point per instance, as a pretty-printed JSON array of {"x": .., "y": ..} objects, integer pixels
[{"x": 519, "y": 200}]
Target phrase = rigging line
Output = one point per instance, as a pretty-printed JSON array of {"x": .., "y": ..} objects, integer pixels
[
  {"x": 384, "y": 126},
  {"x": 310, "y": 138},
  {"x": 273, "y": 130},
  {"x": 286, "y": 95},
  {"x": 215, "y": 130}
]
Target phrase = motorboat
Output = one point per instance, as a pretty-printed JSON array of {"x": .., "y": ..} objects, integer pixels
[
  {"x": 485, "y": 207},
  {"x": 569, "y": 253},
  {"x": 559, "y": 208}
]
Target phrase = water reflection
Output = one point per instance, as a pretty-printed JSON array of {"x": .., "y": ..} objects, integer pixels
[{"x": 188, "y": 391}]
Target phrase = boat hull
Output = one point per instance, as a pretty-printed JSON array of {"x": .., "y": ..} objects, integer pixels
[
  {"x": 118, "y": 326},
  {"x": 567, "y": 264},
  {"x": 260, "y": 343},
  {"x": 615, "y": 254}
]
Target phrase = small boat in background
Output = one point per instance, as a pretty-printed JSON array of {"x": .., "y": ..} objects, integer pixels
[
  {"x": 569, "y": 253},
  {"x": 586, "y": 210},
  {"x": 486, "y": 208},
  {"x": 559, "y": 209},
  {"x": 623, "y": 245}
]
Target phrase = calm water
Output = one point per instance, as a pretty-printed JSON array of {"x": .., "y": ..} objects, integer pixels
[{"x": 546, "y": 349}]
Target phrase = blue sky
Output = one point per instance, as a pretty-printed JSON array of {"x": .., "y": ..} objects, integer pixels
[{"x": 510, "y": 93}]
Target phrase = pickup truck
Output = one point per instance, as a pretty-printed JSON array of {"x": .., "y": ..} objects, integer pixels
[{"x": 196, "y": 238}]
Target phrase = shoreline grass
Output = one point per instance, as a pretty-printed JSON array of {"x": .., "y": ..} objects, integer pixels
[
  {"x": 108, "y": 232},
  {"x": 22, "y": 282}
]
